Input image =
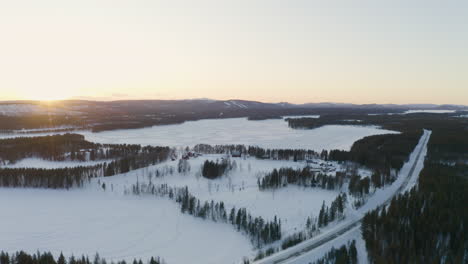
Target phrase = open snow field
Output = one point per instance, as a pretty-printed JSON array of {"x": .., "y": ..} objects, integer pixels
[
  {"x": 118, "y": 227},
  {"x": 272, "y": 133},
  {"x": 239, "y": 188}
]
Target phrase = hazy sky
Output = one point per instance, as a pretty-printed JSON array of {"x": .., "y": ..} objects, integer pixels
[{"x": 362, "y": 51}]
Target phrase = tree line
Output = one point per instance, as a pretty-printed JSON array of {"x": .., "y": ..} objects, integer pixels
[
  {"x": 279, "y": 178},
  {"x": 346, "y": 254},
  {"x": 258, "y": 152},
  {"x": 22, "y": 257},
  {"x": 65, "y": 178},
  {"x": 72, "y": 147}
]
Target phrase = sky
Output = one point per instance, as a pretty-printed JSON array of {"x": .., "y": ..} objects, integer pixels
[{"x": 366, "y": 51}]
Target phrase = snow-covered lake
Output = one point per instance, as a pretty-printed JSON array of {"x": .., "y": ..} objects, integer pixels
[
  {"x": 430, "y": 111},
  {"x": 273, "y": 133}
]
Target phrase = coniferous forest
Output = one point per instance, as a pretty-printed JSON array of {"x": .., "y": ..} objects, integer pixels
[
  {"x": 22, "y": 257},
  {"x": 428, "y": 224},
  {"x": 346, "y": 254},
  {"x": 71, "y": 147}
]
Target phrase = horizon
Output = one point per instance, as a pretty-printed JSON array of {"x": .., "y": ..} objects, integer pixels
[{"x": 51, "y": 102}]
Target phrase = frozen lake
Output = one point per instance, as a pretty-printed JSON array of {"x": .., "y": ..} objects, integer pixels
[{"x": 273, "y": 133}]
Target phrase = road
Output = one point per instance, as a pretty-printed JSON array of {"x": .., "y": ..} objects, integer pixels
[{"x": 311, "y": 244}]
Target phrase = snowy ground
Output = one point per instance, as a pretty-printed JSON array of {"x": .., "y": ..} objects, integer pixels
[
  {"x": 123, "y": 226},
  {"x": 239, "y": 188},
  {"x": 272, "y": 133},
  {"x": 48, "y": 164},
  {"x": 118, "y": 227}
]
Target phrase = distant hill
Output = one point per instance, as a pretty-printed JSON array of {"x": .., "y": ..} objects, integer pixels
[{"x": 77, "y": 107}]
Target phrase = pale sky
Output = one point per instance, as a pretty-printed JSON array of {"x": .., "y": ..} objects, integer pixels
[{"x": 366, "y": 51}]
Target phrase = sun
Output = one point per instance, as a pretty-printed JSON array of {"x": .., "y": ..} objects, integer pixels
[{"x": 48, "y": 95}]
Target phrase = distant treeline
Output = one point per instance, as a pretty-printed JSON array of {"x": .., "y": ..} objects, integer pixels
[
  {"x": 129, "y": 115},
  {"x": 301, "y": 177},
  {"x": 65, "y": 147},
  {"x": 428, "y": 224},
  {"x": 259, "y": 230},
  {"x": 258, "y": 152},
  {"x": 402, "y": 122},
  {"x": 380, "y": 152},
  {"x": 358, "y": 186},
  {"x": 22, "y": 257},
  {"x": 10, "y": 123},
  {"x": 61, "y": 178}
]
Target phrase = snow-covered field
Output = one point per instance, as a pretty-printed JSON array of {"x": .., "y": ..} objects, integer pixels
[
  {"x": 122, "y": 226},
  {"x": 239, "y": 188},
  {"x": 272, "y": 133},
  {"x": 118, "y": 227}
]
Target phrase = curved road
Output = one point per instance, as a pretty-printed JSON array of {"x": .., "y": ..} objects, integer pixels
[{"x": 313, "y": 243}]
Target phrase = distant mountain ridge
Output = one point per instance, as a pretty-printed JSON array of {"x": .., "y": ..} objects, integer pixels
[{"x": 77, "y": 107}]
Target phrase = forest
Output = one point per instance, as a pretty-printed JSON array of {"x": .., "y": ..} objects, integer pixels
[
  {"x": 22, "y": 257},
  {"x": 64, "y": 178},
  {"x": 346, "y": 254},
  {"x": 301, "y": 177},
  {"x": 427, "y": 224},
  {"x": 258, "y": 152},
  {"x": 381, "y": 152},
  {"x": 213, "y": 170},
  {"x": 72, "y": 147}
]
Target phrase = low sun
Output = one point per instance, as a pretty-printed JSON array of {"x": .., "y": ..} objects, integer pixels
[{"x": 49, "y": 95}]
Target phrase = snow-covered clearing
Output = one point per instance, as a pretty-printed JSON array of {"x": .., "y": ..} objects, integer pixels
[
  {"x": 118, "y": 227},
  {"x": 48, "y": 164},
  {"x": 271, "y": 133},
  {"x": 239, "y": 188}
]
